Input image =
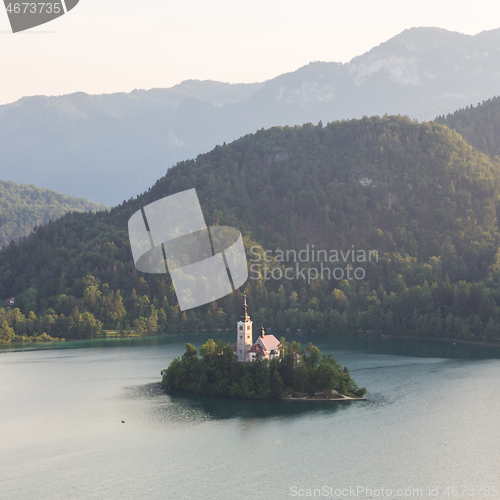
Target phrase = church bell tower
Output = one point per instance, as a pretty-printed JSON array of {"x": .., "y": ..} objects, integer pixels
[{"x": 244, "y": 333}]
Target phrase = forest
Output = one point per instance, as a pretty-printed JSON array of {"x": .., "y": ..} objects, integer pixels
[
  {"x": 213, "y": 370},
  {"x": 24, "y": 207},
  {"x": 417, "y": 193},
  {"x": 478, "y": 125}
]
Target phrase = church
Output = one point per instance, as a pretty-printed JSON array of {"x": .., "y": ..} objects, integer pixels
[{"x": 244, "y": 348}]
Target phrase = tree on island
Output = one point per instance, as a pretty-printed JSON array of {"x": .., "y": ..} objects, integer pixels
[{"x": 213, "y": 370}]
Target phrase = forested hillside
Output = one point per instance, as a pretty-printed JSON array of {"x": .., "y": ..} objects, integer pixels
[
  {"x": 417, "y": 193},
  {"x": 23, "y": 206},
  {"x": 479, "y": 125}
]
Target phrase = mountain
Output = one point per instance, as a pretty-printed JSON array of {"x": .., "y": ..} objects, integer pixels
[
  {"x": 479, "y": 125},
  {"x": 107, "y": 148},
  {"x": 97, "y": 146},
  {"x": 23, "y": 207},
  {"x": 422, "y": 72},
  {"x": 416, "y": 193}
]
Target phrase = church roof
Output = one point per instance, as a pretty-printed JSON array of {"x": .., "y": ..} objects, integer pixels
[
  {"x": 269, "y": 342},
  {"x": 255, "y": 348}
]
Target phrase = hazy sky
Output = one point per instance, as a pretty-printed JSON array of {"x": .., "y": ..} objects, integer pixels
[{"x": 118, "y": 45}]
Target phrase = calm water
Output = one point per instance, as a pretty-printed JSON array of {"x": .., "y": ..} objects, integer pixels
[{"x": 432, "y": 418}]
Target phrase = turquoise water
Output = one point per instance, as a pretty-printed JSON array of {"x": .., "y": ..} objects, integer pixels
[{"x": 431, "y": 419}]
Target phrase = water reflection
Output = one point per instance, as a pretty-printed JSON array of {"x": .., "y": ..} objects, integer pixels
[
  {"x": 92, "y": 343},
  {"x": 415, "y": 347},
  {"x": 422, "y": 348},
  {"x": 226, "y": 408},
  {"x": 184, "y": 407}
]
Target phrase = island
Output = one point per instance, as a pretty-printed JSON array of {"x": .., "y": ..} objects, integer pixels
[{"x": 267, "y": 369}]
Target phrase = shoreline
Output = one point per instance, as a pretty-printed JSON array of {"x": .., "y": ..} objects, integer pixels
[
  {"x": 306, "y": 397},
  {"x": 58, "y": 343},
  {"x": 383, "y": 336},
  {"x": 181, "y": 392},
  {"x": 345, "y": 398}
]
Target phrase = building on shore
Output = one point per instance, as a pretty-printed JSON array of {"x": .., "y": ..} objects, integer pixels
[
  {"x": 9, "y": 302},
  {"x": 244, "y": 348}
]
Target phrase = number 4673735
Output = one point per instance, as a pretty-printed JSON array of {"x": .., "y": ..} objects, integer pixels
[
  {"x": 34, "y": 8},
  {"x": 471, "y": 491}
]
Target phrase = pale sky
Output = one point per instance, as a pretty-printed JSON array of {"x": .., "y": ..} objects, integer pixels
[{"x": 104, "y": 46}]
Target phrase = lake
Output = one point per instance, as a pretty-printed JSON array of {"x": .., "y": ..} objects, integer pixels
[{"x": 431, "y": 419}]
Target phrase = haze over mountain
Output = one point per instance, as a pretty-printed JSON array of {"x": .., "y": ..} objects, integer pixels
[{"x": 107, "y": 148}]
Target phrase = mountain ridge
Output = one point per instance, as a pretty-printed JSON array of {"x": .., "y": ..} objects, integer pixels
[
  {"x": 107, "y": 147},
  {"x": 479, "y": 125}
]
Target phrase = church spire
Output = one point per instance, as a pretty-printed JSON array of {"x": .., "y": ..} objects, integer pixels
[{"x": 244, "y": 309}]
